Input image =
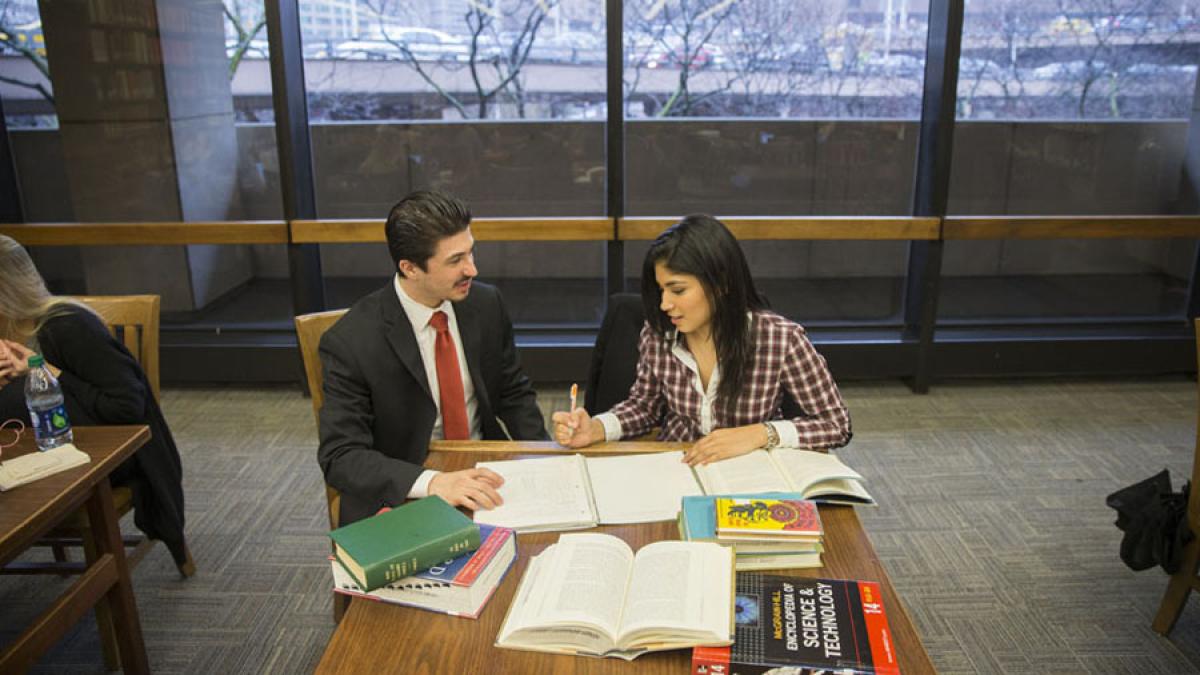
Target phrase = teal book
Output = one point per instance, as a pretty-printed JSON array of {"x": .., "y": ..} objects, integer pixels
[
  {"x": 698, "y": 522},
  {"x": 395, "y": 544}
]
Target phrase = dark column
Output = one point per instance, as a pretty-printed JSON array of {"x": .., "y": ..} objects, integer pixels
[
  {"x": 1190, "y": 193},
  {"x": 10, "y": 191},
  {"x": 295, "y": 150},
  {"x": 614, "y": 132},
  {"x": 932, "y": 185}
]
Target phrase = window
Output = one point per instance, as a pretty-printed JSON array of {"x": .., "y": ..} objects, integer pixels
[
  {"x": 500, "y": 103},
  {"x": 1073, "y": 108},
  {"x": 767, "y": 108}
]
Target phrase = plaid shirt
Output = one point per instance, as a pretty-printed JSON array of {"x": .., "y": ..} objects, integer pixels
[{"x": 668, "y": 391}]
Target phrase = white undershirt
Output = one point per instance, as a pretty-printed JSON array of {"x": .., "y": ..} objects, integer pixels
[{"x": 426, "y": 335}]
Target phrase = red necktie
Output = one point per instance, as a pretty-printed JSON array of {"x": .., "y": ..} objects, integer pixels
[{"x": 454, "y": 402}]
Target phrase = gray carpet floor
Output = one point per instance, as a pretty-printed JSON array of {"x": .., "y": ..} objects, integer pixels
[{"x": 991, "y": 523}]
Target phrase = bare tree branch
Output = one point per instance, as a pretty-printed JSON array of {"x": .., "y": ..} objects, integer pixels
[{"x": 244, "y": 35}]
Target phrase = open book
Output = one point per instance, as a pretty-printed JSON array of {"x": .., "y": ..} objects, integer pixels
[
  {"x": 565, "y": 492},
  {"x": 818, "y": 476},
  {"x": 589, "y": 594}
]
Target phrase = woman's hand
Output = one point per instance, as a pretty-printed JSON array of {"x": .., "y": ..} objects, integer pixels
[
  {"x": 576, "y": 429},
  {"x": 14, "y": 360},
  {"x": 726, "y": 443}
]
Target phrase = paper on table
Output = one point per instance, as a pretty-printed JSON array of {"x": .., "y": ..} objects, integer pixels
[
  {"x": 640, "y": 488},
  {"x": 544, "y": 493},
  {"x": 36, "y": 465}
]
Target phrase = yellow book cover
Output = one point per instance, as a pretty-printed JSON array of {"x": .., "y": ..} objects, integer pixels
[{"x": 763, "y": 517}]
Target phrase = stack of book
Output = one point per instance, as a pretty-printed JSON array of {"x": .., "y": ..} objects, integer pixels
[
  {"x": 458, "y": 587},
  {"x": 767, "y": 531},
  {"x": 799, "y": 625},
  {"x": 423, "y": 554}
]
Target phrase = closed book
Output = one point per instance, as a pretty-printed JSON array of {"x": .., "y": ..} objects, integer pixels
[
  {"x": 698, "y": 522},
  {"x": 395, "y": 544},
  {"x": 766, "y": 518},
  {"x": 784, "y": 561},
  {"x": 801, "y": 625},
  {"x": 465, "y": 569},
  {"x": 459, "y": 587}
]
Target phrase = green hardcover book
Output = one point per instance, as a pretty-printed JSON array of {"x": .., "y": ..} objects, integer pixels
[{"x": 399, "y": 543}]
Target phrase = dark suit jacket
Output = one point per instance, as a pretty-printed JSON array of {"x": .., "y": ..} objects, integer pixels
[
  {"x": 378, "y": 412},
  {"x": 103, "y": 384}
]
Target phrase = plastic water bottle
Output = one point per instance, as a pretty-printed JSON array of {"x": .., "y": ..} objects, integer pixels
[{"x": 44, "y": 398}]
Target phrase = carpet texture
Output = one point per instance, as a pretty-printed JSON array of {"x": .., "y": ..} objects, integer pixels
[{"x": 991, "y": 523}]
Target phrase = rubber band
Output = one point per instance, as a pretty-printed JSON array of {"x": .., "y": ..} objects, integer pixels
[{"x": 17, "y": 430}]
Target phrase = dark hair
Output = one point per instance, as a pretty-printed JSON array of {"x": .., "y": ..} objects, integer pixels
[
  {"x": 703, "y": 247},
  {"x": 418, "y": 222}
]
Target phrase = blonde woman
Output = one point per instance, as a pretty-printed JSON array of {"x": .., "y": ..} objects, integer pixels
[{"x": 101, "y": 383}]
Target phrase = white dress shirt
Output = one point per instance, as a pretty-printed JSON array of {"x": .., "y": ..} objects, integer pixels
[{"x": 419, "y": 315}]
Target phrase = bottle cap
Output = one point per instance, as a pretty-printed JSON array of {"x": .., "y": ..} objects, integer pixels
[{"x": 36, "y": 361}]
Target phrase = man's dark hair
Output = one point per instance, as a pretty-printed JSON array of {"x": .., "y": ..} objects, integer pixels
[{"x": 418, "y": 222}]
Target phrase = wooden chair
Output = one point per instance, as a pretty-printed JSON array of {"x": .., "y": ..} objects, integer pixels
[
  {"x": 134, "y": 320},
  {"x": 309, "y": 329},
  {"x": 1187, "y": 579}
]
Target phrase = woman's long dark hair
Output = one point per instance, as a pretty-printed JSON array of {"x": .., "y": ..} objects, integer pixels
[{"x": 703, "y": 247}]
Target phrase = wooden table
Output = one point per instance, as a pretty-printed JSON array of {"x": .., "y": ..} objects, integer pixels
[
  {"x": 31, "y": 510},
  {"x": 382, "y": 638}
]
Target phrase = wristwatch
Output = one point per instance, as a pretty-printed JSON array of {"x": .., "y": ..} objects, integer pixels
[{"x": 772, "y": 436}]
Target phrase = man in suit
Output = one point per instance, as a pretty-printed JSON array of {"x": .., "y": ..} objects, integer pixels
[{"x": 428, "y": 356}]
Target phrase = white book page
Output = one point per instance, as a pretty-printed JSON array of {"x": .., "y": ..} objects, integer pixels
[
  {"x": 680, "y": 586},
  {"x": 805, "y": 468},
  {"x": 640, "y": 488},
  {"x": 586, "y": 581},
  {"x": 541, "y": 493},
  {"x": 842, "y": 491},
  {"x": 749, "y": 473},
  {"x": 520, "y": 614}
]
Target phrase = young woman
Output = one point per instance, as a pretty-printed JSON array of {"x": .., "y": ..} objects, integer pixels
[
  {"x": 714, "y": 363},
  {"x": 101, "y": 383}
]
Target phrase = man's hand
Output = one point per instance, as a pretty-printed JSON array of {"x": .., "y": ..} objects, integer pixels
[
  {"x": 472, "y": 488},
  {"x": 726, "y": 443}
]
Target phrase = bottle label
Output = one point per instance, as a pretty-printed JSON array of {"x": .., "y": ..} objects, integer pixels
[{"x": 50, "y": 422}]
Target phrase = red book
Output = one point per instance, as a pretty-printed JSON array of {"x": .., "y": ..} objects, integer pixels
[{"x": 826, "y": 625}]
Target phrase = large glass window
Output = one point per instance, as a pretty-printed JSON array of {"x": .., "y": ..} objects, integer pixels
[
  {"x": 1076, "y": 107},
  {"x": 24, "y": 67},
  {"x": 766, "y": 107},
  {"x": 781, "y": 108},
  {"x": 500, "y": 103},
  {"x": 126, "y": 114}
]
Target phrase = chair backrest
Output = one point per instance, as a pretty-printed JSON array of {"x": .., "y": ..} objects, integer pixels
[
  {"x": 309, "y": 329},
  {"x": 132, "y": 319},
  {"x": 615, "y": 356}
]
